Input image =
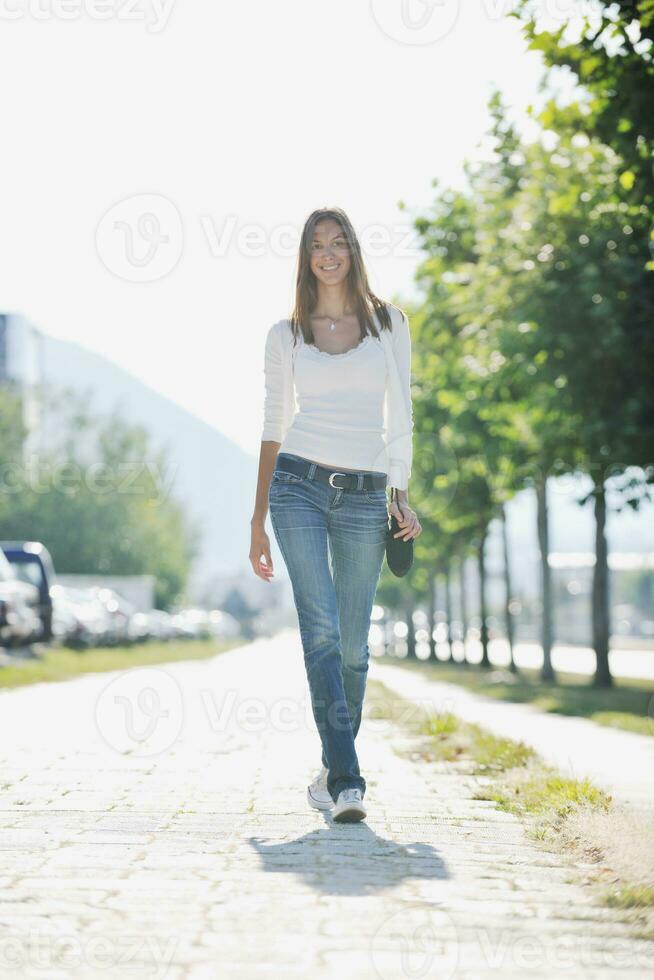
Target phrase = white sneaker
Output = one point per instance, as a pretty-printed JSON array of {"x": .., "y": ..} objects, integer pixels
[
  {"x": 317, "y": 795},
  {"x": 349, "y": 806}
]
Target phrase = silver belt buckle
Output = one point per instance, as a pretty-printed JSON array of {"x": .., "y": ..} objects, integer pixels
[{"x": 331, "y": 475}]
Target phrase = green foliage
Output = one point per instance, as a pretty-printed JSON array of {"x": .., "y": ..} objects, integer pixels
[
  {"x": 610, "y": 52},
  {"x": 443, "y": 723},
  {"x": 62, "y": 663},
  {"x": 99, "y": 498},
  {"x": 541, "y": 791},
  {"x": 630, "y": 897},
  {"x": 534, "y": 347},
  {"x": 12, "y": 437},
  {"x": 607, "y": 138}
]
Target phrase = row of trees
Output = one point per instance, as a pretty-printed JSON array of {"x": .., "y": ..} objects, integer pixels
[
  {"x": 94, "y": 492},
  {"x": 534, "y": 347}
]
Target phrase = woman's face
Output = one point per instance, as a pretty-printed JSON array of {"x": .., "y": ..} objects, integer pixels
[{"x": 330, "y": 255}]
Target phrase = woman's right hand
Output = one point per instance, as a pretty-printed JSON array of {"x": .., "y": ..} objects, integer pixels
[{"x": 260, "y": 547}]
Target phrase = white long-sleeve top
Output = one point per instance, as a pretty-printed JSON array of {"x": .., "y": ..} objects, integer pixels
[{"x": 352, "y": 409}]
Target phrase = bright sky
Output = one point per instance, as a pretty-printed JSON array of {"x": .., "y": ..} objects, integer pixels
[{"x": 221, "y": 127}]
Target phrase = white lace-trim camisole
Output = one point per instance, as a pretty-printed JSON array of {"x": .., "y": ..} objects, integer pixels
[
  {"x": 341, "y": 402},
  {"x": 340, "y": 397}
]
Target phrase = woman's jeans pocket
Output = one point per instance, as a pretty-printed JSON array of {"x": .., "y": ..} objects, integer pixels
[{"x": 283, "y": 476}]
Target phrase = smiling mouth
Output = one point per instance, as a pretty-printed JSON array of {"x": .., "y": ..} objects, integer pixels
[{"x": 330, "y": 268}]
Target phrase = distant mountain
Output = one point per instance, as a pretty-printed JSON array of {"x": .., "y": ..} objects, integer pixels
[{"x": 211, "y": 472}]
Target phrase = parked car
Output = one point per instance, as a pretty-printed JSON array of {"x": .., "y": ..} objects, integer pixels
[
  {"x": 65, "y": 622},
  {"x": 98, "y": 616},
  {"x": 20, "y": 621},
  {"x": 160, "y": 624},
  {"x": 119, "y": 614},
  {"x": 192, "y": 624},
  {"x": 139, "y": 630},
  {"x": 80, "y": 618},
  {"x": 32, "y": 563},
  {"x": 223, "y": 625}
]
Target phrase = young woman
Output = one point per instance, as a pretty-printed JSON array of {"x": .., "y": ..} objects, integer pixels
[{"x": 323, "y": 472}]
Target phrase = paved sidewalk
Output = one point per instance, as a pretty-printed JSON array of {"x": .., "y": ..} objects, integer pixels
[
  {"x": 154, "y": 824},
  {"x": 620, "y": 762}
]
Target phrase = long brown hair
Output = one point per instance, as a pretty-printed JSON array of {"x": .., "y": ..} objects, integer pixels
[{"x": 361, "y": 296}]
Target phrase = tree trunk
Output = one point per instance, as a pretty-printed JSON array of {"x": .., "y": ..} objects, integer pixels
[
  {"x": 411, "y": 635},
  {"x": 448, "y": 609},
  {"x": 384, "y": 628},
  {"x": 547, "y": 671},
  {"x": 485, "y": 662},
  {"x": 508, "y": 594},
  {"x": 601, "y": 608},
  {"x": 464, "y": 605},
  {"x": 432, "y": 614}
]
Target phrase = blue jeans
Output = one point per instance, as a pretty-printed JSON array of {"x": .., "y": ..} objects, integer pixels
[{"x": 334, "y": 591}]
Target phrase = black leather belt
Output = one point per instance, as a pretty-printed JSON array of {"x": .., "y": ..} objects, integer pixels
[{"x": 361, "y": 480}]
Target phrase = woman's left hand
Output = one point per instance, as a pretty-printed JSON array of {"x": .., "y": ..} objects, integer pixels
[{"x": 407, "y": 519}]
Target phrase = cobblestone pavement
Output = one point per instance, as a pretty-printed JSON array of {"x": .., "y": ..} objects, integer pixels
[{"x": 154, "y": 824}]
